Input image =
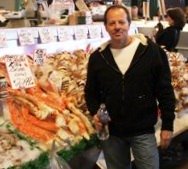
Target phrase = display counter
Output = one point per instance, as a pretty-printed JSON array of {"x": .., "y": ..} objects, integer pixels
[
  {"x": 66, "y": 50},
  {"x": 78, "y": 35},
  {"x": 26, "y": 56},
  {"x": 45, "y": 71},
  {"x": 53, "y": 38},
  {"x": 24, "y": 40}
]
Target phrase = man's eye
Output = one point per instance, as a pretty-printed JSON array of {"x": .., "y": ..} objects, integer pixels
[
  {"x": 122, "y": 22},
  {"x": 111, "y": 23},
  {"x": 118, "y": 22}
]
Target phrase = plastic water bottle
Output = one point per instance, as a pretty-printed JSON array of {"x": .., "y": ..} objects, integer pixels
[
  {"x": 3, "y": 87},
  {"x": 3, "y": 98},
  {"x": 104, "y": 117}
]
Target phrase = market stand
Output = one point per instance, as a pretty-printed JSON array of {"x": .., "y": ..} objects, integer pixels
[{"x": 57, "y": 39}]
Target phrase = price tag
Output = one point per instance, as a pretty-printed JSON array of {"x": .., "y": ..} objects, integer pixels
[
  {"x": 65, "y": 33},
  {"x": 46, "y": 35},
  {"x": 81, "y": 32},
  {"x": 39, "y": 56},
  {"x": 19, "y": 72},
  {"x": 3, "y": 40},
  {"x": 35, "y": 32},
  {"x": 25, "y": 37},
  {"x": 94, "y": 31},
  {"x": 104, "y": 33}
]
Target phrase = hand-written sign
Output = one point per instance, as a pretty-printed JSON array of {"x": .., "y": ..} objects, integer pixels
[
  {"x": 65, "y": 33},
  {"x": 19, "y": 72},
  {"x": 46, "y": 35},
  {"x": 95, "y": 31},
  {"x": 25, "y": 37},
  {"x": 81, "y": 32},
  {"x": 39, "y": 56},
  {"x": 3, "y": 42}
]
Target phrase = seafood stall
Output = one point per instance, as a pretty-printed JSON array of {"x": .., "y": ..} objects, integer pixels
[
  {"x": 41, "y": 91},
  {"x": 42, "y": 77}
]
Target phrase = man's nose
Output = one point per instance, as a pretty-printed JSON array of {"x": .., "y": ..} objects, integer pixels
[{"x": 117, "y": 25}]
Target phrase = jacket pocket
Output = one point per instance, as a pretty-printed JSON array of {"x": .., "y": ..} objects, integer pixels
[{"x": 144, "y": 101}]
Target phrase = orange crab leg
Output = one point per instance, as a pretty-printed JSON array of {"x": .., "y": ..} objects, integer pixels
[
  {"x": 47, "y": 125},
  {"x": 25, "y": 126}
]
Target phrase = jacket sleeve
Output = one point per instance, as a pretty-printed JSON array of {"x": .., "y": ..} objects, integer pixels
[
  {"x": 92, "y": 92},
  {"x": 165, "y": 91}
]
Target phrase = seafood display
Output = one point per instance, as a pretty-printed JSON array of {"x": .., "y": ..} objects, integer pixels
[
  {"x": 179, "y": 71},
  {"x": 54, "y": 109},
  {"x": 15, "y": 151}
]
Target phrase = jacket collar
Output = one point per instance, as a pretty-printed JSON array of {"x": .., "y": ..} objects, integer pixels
[
  {"x": 141, "y": 37},
  {"x": 105, "y": 52}
]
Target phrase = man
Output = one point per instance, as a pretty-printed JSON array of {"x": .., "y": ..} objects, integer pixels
[{"x": 131, "y": 76}]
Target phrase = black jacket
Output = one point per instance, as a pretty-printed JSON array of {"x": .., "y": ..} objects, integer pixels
[
  {"x": 132, "y": 99},
  {"x": 168, "y": 37}
]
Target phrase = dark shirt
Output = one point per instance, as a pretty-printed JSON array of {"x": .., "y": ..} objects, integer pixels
[{"x": 168, "y": 37}]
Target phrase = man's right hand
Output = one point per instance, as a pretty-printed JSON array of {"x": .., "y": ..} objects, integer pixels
[{"x": 97, "y": 123}]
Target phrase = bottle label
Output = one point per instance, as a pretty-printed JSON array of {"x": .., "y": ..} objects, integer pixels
[
  {"x": 3, "y": 86},
  {"x": 103, "y": 134},
  {"x": 104, "y": 117}
]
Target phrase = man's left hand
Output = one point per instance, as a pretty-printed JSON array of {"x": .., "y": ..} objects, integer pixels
[{"x": 165, "y": 138}]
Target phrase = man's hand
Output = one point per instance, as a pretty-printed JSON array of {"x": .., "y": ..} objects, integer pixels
[
  {"x": 165, "y": 138},
  {"x": 97, "y": 123}
]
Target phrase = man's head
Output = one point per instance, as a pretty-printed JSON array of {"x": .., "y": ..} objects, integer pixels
[
  {"x": 117, "y": 23},
  {"x": 116, "y": 7}
]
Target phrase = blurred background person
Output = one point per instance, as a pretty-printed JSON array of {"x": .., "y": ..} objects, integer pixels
[
  {"x": 186, "y": 13},
  {"x": 169, "y": 37},
  {"x": 134, "y": 12}
]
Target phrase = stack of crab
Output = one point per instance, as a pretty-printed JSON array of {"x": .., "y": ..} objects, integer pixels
[
  {"x": 55, "y": 108},
  {"x": 179, "y": 70}
]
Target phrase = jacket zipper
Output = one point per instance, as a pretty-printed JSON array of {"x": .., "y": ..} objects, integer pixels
[
  {"x": 123, "y": 88},
  {"x": 123, "y": 75}
]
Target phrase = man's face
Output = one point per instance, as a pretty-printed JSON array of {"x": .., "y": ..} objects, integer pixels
[{"x": 117, "y": 24}]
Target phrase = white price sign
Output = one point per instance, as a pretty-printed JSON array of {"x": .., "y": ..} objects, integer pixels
[
  {"x": 46, "y": 35},
  {"x": 3, "y": 40},
  {"x": 25, "y": 37},
  {"x": 65, "y": 33},
  {"x": 19, "y": 72},
  {"x": 104, "y": 32},
  {"x": 81, "y": 32},
  {"x": 95, "y": 31}
]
